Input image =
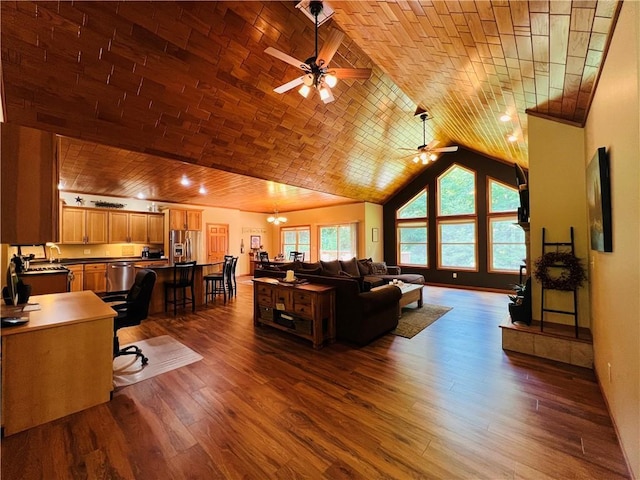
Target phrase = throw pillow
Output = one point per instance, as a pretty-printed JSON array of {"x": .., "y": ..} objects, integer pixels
[
  {"x": 364, "y": 266},
  {"x": 378, "y": 268},
  {"x": 330, "y": 268},
  {"x": 351, "y": 267}
]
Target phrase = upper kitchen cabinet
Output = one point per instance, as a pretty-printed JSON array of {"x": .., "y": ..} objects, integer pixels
[
  {"x": 180, "y": 219},
  {"x": 83, "y": 225},
  {"x": 135, "y": 227},
  {"x": 29, "y": 186}
]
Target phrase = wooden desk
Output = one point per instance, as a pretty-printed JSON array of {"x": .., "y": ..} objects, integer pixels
[{"x": 59, "y": 363}]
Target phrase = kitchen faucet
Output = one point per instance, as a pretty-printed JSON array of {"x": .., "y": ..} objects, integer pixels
[{"x": 51, "y": 246}]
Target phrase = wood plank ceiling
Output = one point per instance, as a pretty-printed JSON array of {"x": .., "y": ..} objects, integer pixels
[{"x": 143, "y": 93}]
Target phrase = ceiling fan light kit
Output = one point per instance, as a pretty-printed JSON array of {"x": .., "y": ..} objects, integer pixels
[
  {"x": 317, "y": 74},
  {"x": 428, "y": 151},
  {"x": 276, "y": 219}
]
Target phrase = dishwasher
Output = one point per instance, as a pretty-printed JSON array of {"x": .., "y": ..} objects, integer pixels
[{"x": 120, "y": 276}]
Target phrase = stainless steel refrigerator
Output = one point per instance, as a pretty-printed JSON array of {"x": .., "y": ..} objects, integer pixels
[{"x": 183, "y": 245}]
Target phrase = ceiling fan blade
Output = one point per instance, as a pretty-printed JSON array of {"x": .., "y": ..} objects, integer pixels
[
  {"x": 445, "y": 149},
  {"x": 329, "y": 48},
  {"x": 289, "y": 85},
  {"x": 363, "y": 73},
  {"x": 287, "y": 58}
]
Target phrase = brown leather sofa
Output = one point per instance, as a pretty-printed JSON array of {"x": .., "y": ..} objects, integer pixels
[{"x": 360, "y": 316}]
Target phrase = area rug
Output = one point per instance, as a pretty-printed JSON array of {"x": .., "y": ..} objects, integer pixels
[
  {"x": 164, "y": 353},
  {"x": 414, "y": 320}
]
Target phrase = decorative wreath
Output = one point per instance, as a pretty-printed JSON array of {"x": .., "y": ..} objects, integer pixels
[{"x": 571, "y": 277}]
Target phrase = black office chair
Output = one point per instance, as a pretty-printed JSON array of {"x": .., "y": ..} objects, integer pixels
[
  {"x": 299, "y": 256},
  {"x": 219, "y": 282},
  {"x": 183, "y": 275},
  {"x": 133, "y": 309}
]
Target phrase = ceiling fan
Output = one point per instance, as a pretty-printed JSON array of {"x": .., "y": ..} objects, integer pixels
[
  {"x": 317, "y": 73},
  {"x": 427, "y": 151}
]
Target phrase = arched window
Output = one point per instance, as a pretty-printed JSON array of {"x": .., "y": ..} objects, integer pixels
[
  {"x": 457, "y": 221},
  {"x": 507, "y": 249},
  {"x": 412, "y": 231}
]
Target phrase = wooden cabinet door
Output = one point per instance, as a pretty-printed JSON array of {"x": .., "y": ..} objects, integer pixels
[
  {"x": 138, "y": 228},
  {"x": 73, "y": 225},
  {"x": 155, "y": 228},
  {"x": 194, "y": 220},
  {"x": 177, "y": 219},
  {"x": 118, "y": 227},
  {"x": 96, "y": 226},
  {"x": 77, "y": 278},
  {"x": 28, "y": 186},
  {"x": 95, "y": 277}
]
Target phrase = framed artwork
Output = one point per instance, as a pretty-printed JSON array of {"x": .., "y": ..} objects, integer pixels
[
  {"x": 255, "y": 241},
  {"x": 375, "y": 234},
  {"x": 599, "y": 202}
]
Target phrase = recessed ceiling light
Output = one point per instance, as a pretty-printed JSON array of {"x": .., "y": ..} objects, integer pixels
[
  {"x": 202, "y": 191},
  {"x": 505, "y": 117},
  {"x": 60, "y": 185},
  {"x": 141, "y": 196},
  {"x": 512, "y": 138},
  {"x": 185, "y": 181}
]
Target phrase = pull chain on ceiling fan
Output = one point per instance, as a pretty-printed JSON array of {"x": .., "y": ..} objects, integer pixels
[
  {"x": 317, "y": 73},
  {"x": 427, "y": 151}
]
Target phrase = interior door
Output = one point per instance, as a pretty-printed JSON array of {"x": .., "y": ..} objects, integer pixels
[{"x": 217, "y": 242}]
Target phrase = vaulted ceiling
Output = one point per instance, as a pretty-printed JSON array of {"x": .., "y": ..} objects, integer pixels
[{"x": 143, "y": 93}]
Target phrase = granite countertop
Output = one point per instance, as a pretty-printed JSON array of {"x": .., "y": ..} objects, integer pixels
[{"x": 80, "y": 261}]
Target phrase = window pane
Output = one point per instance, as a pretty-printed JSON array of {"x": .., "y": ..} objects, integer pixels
[
  {"x": 503, "y": 198},
  {"x": 462, "y": 256},
  {"x": 413, "y": 234},
  {"x": 457, "y": 192},
  {"x": 457, "y": 244},
  {"x": 304, "y": 236},
  {"x": 415, "y": 208},
  {"x": 457, "y": 233},
  {"x": 338, "y": 242},
  {"x": 412, "y": 244},
  {"x": 508, "y": 249},
  {"x": 290, "y": 237}
]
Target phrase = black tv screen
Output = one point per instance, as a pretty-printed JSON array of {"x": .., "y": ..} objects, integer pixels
[{"x": 599, "y": 202}]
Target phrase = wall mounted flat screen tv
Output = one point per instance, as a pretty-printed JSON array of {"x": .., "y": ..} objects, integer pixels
[{"x": 599, "y": 202}]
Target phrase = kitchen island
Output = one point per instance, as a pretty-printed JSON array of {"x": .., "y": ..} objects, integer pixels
[
  {"x": 165, "y": 274},
  {"x": 59, "y": 362}
]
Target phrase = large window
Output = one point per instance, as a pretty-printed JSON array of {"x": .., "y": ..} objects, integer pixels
[
  {"x": 296, "y": 239},
  {"x": 456, "y": 220},
  {"x": 507, "y": 248},
  {"x": 412, "y": 231},
  {"x": 338, "y": 242}
]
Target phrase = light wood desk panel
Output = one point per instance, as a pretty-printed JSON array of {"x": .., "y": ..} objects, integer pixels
[{"x": 59, "y": 363}]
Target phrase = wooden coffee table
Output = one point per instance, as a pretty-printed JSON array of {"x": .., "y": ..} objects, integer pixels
[{"x": 411, "y": 292}]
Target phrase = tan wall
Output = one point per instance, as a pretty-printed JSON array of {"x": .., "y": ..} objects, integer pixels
[
  {"x": 373, "y": 219},
  {"x": 614, "y": 123},
  {"x": 558, "y": 201}
]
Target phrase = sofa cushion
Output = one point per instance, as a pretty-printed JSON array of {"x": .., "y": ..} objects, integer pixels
[
  {"x": 350, "y": 267},
  {"x": 364, "y": 265},
  {"x": 378, "y": 268},
  {"x": 331, "y": 268}
]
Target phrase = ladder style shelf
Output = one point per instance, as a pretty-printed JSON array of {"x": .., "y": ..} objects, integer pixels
[{"x": 574, "y": 313}]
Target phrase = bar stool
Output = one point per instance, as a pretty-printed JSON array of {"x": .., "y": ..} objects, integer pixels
[
  {"x": 233, "y": 286},
  {"x": 183, "y": 275},
  {"x": 216, "y": 283},
  {"x": 296, "y": 256}
]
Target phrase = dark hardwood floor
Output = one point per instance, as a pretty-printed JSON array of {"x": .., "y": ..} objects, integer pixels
[{"x": 262, "y": 404}]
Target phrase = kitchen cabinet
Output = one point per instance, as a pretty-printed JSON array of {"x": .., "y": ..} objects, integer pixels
[
  {"x": 95, "y": 277},
  {"x": 29, "y": 186},
  {"x": 181, "y": 219},
  {"x": 155, "y": 228},
  {"x": 83, "y": 225},
  {"x": 135, "y": 227},
  {"x": 76, "y": 275}
]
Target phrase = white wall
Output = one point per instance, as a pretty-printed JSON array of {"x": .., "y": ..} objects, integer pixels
[{"x": 614, "y": 123}]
